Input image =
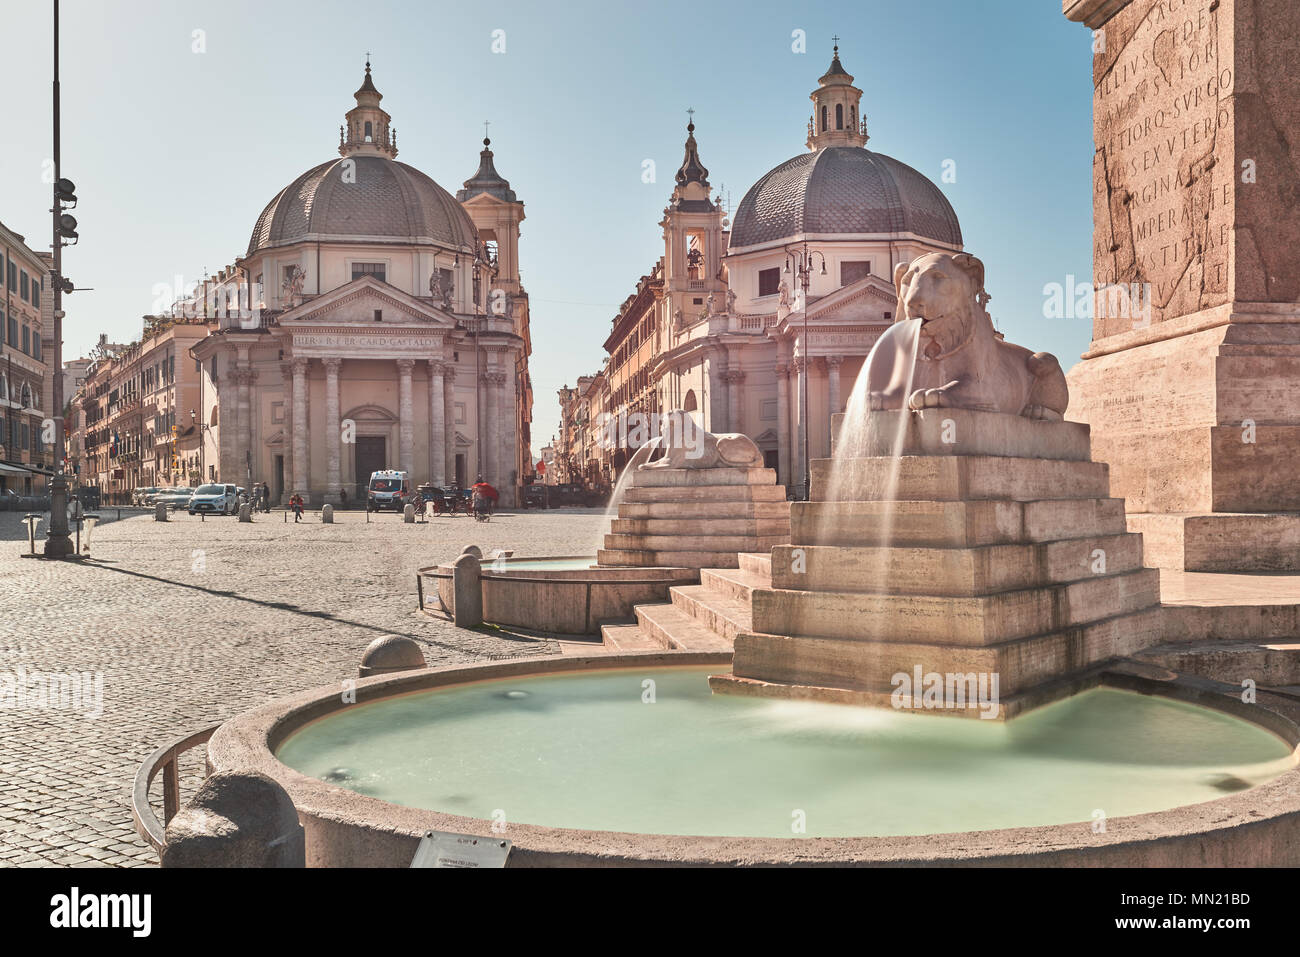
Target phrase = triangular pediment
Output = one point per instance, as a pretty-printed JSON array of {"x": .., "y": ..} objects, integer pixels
[
  {"x": 866, "y": 300},
  {"x": 356, "y": 302}
]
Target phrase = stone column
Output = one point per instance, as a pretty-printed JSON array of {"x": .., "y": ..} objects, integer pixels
[
  {"x": 507, "y": 458},
  {"x": 734, "y": 378},
  {"x": 800, "y": 366},
  {"x": 449, "y": 420},
  {"x": 833, "y": 392},
  {"x": 490, "y": 428},
  {"x": 437, "y": 424},
  {"x": 333, "y": 431},
  {"x": 301, "y": 462},
  {"x": 405, "y": 415},
  {"x": 290, "y": 474},
  {"x": 243, "y": 419},
  {"x": 783, "y": 423}
]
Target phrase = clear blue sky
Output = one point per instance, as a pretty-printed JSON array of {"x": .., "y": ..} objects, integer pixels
[{"x": 174, "y": 153}]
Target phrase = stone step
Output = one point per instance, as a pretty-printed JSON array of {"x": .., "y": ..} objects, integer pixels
[
  {"x": 671, "y": 627},
  {"x": 981, "y": 620},
  {"x": 1221, "y": 541},
  {"x": 649, "y": 558},
  {"x": 958, "y": 478},
  {"x": 693, "y": 478},
  {"x": 1254, "y": 622},
  {"x": 962, "y": 432},
  {"x": 1271, "y": 664},
  {"x": 759, "y": 562},
  {"x": 871, "y": 665},
  {"x": 722, "y": 614},
  {"x": 638, "y": 495},
  {"x": 628, "y": 638},
  {"x": 710, "y": 528},
  {"x": 952, "y": 571},
  {"x": 709, "y": 510},
  {"x": 953, "y": 524},
  {"x": 682, "y": 543},
  {"x": 738, "y": 583}
]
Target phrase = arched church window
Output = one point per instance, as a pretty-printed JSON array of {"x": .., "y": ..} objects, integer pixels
[
  {"x": 369, "y": 131},
  {"x": 823, "y": 119},
  {"x": 839, "y": 116},
  {"x": 689, "y": 404}
]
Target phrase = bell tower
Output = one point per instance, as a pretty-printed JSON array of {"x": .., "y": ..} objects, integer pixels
[
  {"x": 366, "y": 131},
  {"x": 836, "y": 120},
  {"x": 693, "y": 241}
]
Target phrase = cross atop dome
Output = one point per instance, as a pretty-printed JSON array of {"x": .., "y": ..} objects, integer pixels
[
  {"x": 366, "y": 131},
  {"x": 835, "y": 120}
]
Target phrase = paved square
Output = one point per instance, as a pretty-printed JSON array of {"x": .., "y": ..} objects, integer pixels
[{"x": 191, "y": 622}]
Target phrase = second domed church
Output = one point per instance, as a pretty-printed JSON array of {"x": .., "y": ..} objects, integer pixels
[
  {"x": 740, "y": 318},
  {"x": 390, "y": 331}
]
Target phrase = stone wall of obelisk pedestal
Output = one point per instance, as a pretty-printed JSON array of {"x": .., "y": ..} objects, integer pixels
[
  {"x": 696, "y": 518},
  {"x": 1000, "y": 552},
  {"x": 1195, "y": 402}
]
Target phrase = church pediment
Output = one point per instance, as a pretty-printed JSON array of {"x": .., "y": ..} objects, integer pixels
[
  {"x": 866, "y": 300},
  {"x": 360, "y": 301}
]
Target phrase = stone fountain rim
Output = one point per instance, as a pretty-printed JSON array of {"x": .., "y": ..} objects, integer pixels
[{"x": 1204, "y": 833}]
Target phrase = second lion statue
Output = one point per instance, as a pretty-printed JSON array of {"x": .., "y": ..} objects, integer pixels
[{"x": 961, "y": 362}]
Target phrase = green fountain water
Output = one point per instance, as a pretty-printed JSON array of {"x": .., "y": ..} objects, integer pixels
[{"x": 607, "y": 751}]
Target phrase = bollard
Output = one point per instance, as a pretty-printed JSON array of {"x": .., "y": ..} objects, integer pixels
[
  {"x": 31, "y": 518},
  {"x": 286, "y": 515},
  {"x": 467, "y": 592},
  {"x": 245, "y": 512},
  {"x": 327, "y": 514},
  {"x": 160, "y": 512},
  {"x": 408, "y": 514}
]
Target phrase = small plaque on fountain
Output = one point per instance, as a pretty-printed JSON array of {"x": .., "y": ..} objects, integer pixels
[{"x": 445, "y": 849}]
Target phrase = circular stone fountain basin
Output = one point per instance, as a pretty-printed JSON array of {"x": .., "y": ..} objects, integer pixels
[
  {"x": 653, "y": 751},
  {"x": 581, "y": 748},
  {"x": 567, "y": 595}
]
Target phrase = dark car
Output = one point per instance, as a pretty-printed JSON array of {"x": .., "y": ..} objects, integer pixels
[{"x": 535, "y": 496}]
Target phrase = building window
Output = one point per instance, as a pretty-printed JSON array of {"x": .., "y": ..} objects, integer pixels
[
  {"x": 769, "y": 281},
  {"x": 27, "y": 340},
  {"x": 853, "y": 271},
  {"x": 24, "y": 283},
  {"x": 767, "y": 410},
  {"x": 823, "y": 119},
  {"x": 369, "y": 269},
  {"x": 36, "y": 346},
  {"x": 370, "y": 131},
  {"x": 13, "y": 275},
  {"x": 839, "y": 116},
  {"x": 36, "y": 295}
]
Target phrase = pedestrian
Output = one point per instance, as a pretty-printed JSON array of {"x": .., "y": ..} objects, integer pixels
[
  {"x": 343, "y": 497},
  {"x": 296, "y": 504},
  {"x": 266, "y": 497}
]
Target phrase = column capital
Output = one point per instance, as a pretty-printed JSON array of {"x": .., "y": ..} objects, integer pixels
[
  {"x": 448, "y": 373},
  {"x": 733, "y": 375},
  {"x": 437, "y": 367},
  {"x": 299, "y": 364},
  {"x": 782, "y": 369},
  {"x": 493, "y": 378},
  {"x": 799, "y": 363},
  {"x": 405, "y": 366},
  {"x": 332, "y": 364},
  {"x": 286, "y": 369},
  {"x": 834, "y": 361}
]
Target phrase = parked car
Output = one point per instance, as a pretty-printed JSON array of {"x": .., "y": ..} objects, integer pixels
[
  {"x": 145, "y": 495},
  {"x": 214, "y": 499},
  {"x": 535, "y": 496},
  {"x": 175, "y": 498}
]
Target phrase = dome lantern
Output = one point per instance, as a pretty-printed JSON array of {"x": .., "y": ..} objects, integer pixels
[
  {"x": 836, "y": 120},
  {"x": 366, "y": 131}
]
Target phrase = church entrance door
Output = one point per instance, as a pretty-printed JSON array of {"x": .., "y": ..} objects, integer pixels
[{"x": 372, "y": 456}]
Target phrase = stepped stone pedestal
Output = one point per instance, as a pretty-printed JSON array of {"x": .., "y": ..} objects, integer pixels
[
  {"x": 994, "y": 559},
  {"x": 696, "y": 517}
]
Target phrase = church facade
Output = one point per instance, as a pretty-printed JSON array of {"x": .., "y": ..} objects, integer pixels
[
  {"x": 744, "y": 317},
  {"x": 374, "y": 322}
]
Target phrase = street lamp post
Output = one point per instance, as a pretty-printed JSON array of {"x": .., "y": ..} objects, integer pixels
[
  {"x": 801, "y": 260},
  {"x": 58, "y": 544}
]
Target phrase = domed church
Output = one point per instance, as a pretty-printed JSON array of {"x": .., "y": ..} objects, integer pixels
[
  {"x": 812, "y": 245},
  {"x": 388, "y": 329}
]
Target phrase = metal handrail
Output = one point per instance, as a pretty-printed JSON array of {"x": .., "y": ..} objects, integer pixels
[{"x": 164, "y": 759}]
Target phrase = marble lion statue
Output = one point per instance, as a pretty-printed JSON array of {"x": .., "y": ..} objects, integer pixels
[
  {"x": 961, "y": 362},
  {"x": 687, "y": 446}
]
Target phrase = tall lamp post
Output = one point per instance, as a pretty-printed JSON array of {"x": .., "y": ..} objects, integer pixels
[
  {"x": 57, "y": 543},
  {"x": 483, "y": 265},
  {"x": 801, "y": 260}
]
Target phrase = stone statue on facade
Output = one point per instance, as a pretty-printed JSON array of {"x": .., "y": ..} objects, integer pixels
[
  {"x": 294, "y": 279},
  {"x": 435, "y": 285},
  {"x": 960, "y": 362}
]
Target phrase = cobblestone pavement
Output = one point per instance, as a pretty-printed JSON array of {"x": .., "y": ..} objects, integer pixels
[{"x": 192, "y": 622}]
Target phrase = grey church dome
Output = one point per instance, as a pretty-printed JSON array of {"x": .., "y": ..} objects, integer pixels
[
  {"x": 388, "y": 201},
  {"x": 843, "y": 190}
]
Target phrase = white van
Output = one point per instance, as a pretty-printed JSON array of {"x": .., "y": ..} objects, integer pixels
[{"x": 388, "y": 489}]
